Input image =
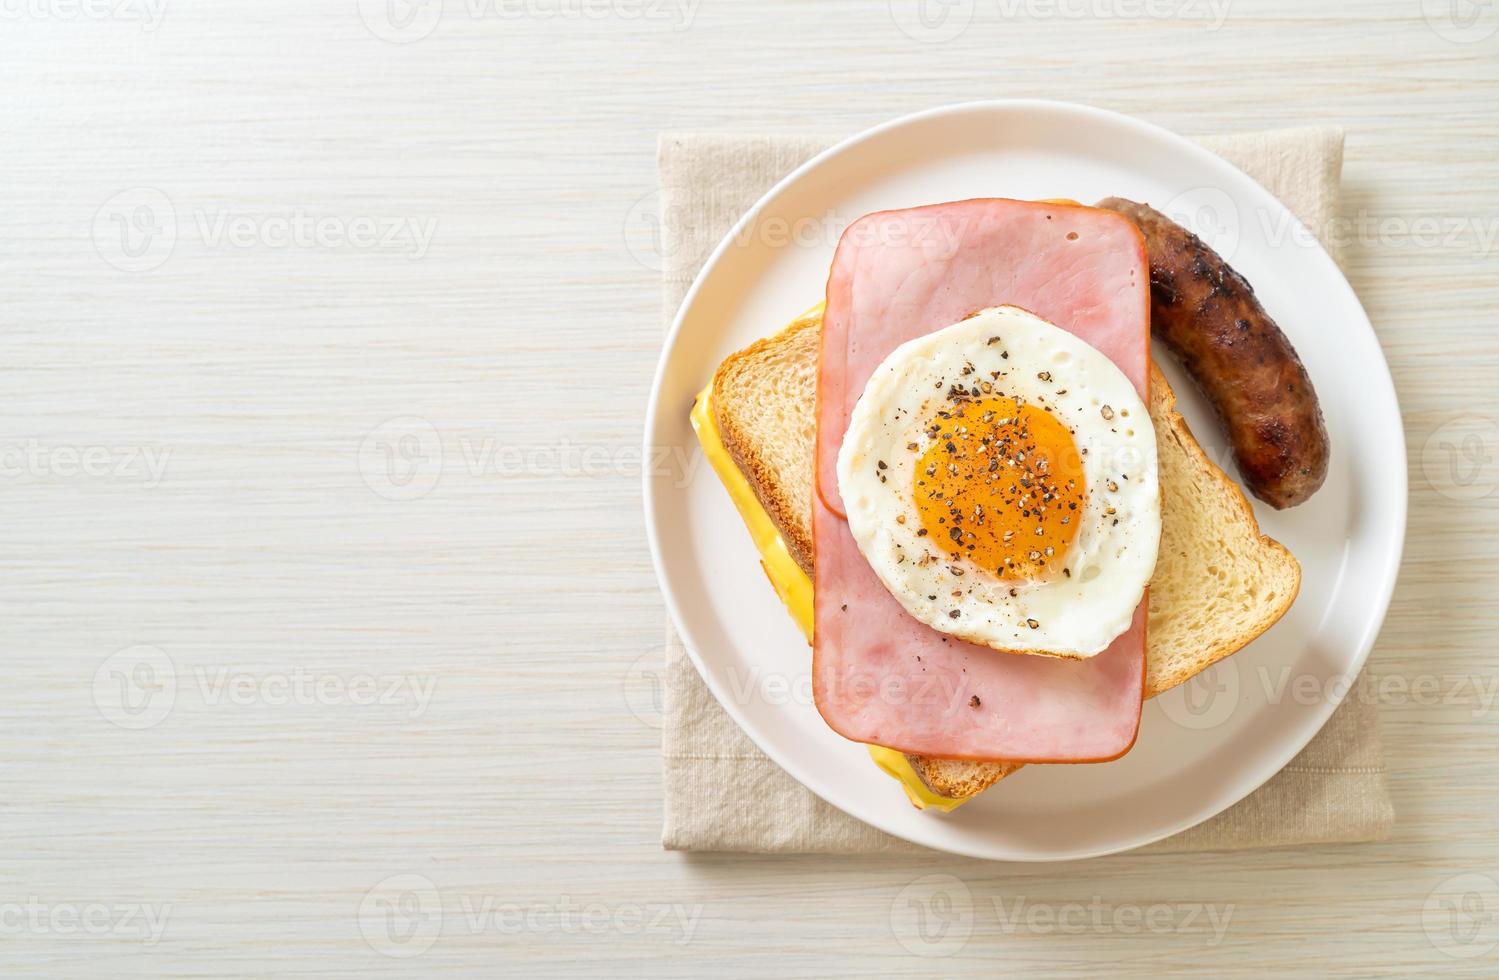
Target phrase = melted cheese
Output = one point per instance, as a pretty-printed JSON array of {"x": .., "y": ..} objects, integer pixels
[
  {"x": 790, "y": 582},
  {"x": 896, "y": 765}
]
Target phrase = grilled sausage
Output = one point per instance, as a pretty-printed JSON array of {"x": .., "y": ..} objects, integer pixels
[{"x": 1207, "y": 314}]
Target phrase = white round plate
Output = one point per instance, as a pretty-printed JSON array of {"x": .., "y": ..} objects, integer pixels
[{"x": 1202, "y": 747}]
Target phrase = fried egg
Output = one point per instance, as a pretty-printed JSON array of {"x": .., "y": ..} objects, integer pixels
[{"x": 1000, "y": 478}]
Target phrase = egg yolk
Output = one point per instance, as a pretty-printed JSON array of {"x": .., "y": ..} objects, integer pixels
[{"x": 1000, "y": 486}]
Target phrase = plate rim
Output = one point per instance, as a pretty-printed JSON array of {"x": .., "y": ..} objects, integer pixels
[{"x": 1374, "y": 623}]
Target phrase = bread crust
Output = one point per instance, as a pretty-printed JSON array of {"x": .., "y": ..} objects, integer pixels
[{"x": 734, "y": 386}]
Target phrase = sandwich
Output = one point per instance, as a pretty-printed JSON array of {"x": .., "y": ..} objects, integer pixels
[{"x": 970, "y": 487}]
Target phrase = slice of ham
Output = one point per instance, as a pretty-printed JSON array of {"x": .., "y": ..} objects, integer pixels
[{"x": 880, "y": 676}]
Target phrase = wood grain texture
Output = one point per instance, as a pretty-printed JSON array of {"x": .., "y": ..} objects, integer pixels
[{"x": 262, "y": 813}]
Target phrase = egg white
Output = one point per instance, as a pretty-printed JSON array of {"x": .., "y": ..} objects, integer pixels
[{"x": 1075, "y": 614}]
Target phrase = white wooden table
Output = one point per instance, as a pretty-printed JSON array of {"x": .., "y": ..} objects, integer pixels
[{"x": 325, "y": 339}]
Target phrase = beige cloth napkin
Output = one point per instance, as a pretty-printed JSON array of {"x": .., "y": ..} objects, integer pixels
[{"x": 723, "y": 794}]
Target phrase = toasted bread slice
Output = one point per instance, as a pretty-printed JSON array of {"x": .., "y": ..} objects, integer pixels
[
  {"x": 958, "y": 779},
  {"x": 764, "y": 401},
  {"x": 1218, "y": 582}
]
